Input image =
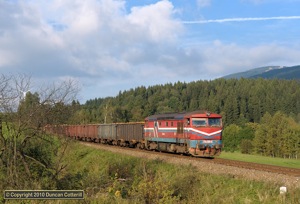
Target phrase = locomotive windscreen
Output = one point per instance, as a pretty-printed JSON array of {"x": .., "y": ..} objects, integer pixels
[
  {"x": 216, "y": 122},
  {"x": 203, "y": 122},
  {"x": 197, "y": 122}
]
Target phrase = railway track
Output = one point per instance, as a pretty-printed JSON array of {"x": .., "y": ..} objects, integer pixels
[
  {"x": 260, "y": 167},
  {"x": 294, "y": 172}
]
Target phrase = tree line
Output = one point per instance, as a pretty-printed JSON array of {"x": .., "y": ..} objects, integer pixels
[
  {"x": 259, "y": 115},
  {"x": 238, "y": 100},
  {"x": 275, "y": 136}
]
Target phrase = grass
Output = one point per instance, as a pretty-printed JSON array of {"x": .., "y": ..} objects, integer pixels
[
  {"x": 108, "y": 177},
  {"x": 292, "y": 163},
  {"x": 115, "y": 178}
]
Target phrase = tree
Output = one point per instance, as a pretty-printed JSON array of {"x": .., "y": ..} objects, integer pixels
[
  {"x": 290, "y": 145},
  {"x": 277, "y": 136},
  {"x": 276, "y": 128},
  {"x": 27, "y": 153},
  {"x": 231, "y": 138},
  {"x": 260, "y": 141},
  {"x": 246, "y": 146}
]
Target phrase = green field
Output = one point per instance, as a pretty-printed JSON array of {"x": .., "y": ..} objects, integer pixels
[
  {"x": 292, "y": 163},
  {"x": 107, "y": 177}
]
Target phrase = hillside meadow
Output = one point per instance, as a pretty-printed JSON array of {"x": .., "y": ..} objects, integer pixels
[{"x": 107, "y": 177}]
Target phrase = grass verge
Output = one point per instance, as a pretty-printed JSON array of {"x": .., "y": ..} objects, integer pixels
[
  {"x": 292, "y": 163},
  {"x": 107, "y": 177}
]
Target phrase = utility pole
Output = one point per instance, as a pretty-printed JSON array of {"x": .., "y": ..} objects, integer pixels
[{"x": 106, "y": 106}]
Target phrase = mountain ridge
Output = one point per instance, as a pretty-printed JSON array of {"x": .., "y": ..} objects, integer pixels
[{"x": 268, "y": 72}]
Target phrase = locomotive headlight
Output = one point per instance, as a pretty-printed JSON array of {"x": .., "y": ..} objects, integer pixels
[{"x": 207, "y": 114}]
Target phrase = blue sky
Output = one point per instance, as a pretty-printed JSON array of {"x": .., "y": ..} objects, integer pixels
[{"x": 109, "y": 46}]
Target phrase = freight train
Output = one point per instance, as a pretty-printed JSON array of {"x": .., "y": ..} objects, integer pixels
[{"x": 197, "y": 133}]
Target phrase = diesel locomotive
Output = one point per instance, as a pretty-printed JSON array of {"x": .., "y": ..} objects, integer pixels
[{"x": 197, "y": 133}]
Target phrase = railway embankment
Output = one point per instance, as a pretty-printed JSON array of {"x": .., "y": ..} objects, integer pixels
[{"x": 235, "y": 169}]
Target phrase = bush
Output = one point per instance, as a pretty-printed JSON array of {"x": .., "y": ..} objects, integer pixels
[{"x": 246, "y": 146}]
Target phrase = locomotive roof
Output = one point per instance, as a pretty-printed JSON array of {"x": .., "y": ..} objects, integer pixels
[{"x": 180, "y": 116}]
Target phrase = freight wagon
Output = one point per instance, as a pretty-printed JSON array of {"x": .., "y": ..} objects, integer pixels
[
  {"x": 197, "y": 133},
  {"x": 123, "y": 134}
]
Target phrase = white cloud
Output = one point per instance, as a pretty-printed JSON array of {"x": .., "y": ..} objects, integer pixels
[
  {"x": 203, "y": 3},
  {"x": 221, "y": 59},
  {"x": 74, "y": 38},
  {"x": 254, "y": 1},
  {"x": 155, "y": 21},
  {"x": 109, "y": 48},
  {"x": 243, "y": 19}
]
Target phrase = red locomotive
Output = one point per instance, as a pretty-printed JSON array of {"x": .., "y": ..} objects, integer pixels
[{"x": 197, "y": 133}]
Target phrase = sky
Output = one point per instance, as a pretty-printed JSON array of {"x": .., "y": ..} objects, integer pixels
[{"x": 110, "y": 46}]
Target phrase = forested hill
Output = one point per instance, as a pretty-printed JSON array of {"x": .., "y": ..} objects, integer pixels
[
  {"x": 282, "y": 73},
  {"x": 238, "y": 100},
  {"x": 269, "y": 72}
]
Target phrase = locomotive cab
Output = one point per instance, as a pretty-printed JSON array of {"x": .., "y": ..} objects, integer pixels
[
  {"x": 197, "y": 133},
  {"x": 205, "y": 134}
]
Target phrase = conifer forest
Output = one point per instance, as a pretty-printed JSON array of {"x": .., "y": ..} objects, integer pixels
[{"x": 259, "y": 115}]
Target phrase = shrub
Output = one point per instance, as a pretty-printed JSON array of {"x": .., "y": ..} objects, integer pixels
[{"x": 246, "y": 146}]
